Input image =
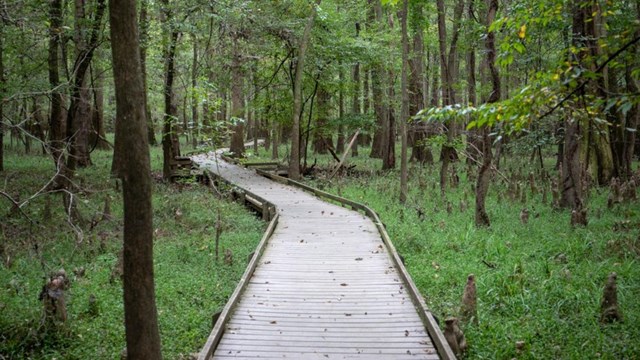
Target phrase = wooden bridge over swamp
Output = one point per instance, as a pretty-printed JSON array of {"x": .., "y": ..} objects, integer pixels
[{"x": 325, "y": 283}]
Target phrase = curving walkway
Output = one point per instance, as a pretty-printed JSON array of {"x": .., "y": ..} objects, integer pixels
[{"x": 325, "y": 286}]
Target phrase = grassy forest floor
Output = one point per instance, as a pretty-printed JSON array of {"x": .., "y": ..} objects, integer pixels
[
  {"x": 190, "y": 285},
  {"x": 539, "y": 282}
]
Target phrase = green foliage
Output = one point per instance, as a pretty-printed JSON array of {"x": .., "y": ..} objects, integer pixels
[
  {"x": 190, "y": 285},
  {"x": 540, "y": 283}
]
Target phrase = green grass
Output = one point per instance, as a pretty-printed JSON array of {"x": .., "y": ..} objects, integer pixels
[
  {"x": 190, "y": 285},
  {"x": 540, "y": 283}
]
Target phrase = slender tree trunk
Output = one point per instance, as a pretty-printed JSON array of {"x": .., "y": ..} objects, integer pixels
[
  {"x": 170, "y": 147},
  {"x": 319, "y": 134},
  {"x": 418, "y": 131},
  {"x": 194, "y": 96},
  {"x": 388, "y": 142},
  {"x": 340, "y": 141},
  {"x": 355, "y": 99},
  {"x": 56, "y": 117},
  {"x": 380, "y": 108},
  {"x": 237, "y": 106},
  {"x": 404, "y": 117},
  {"x": 141, "y": 324},
  {"x": 474, "y": 145},
  {"x": 571, "y": 195},
  {"x": 99, "y": 133},
  {"x": 144, "y": 40},
  {"x": 482, "y": 184},
  {"x": 79, "y": 115},
  {"x": 294, "y": 161}
]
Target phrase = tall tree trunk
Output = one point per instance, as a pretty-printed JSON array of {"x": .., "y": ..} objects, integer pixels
[
  {"x": 473, "y": 141},
  {"x": 170, "y": 147},
  {"x": 144, "y": 43},
  {"x": 446, "y": 94},
  {"x": 571, "y": 195},
  {"x": 380, "y": 108},
  {"x": 388, "y": 142},
  {"x": 404, "y": 117},
  {"x": 355, "y": 100},
  {"x": 319, "y": 134},
  {"x": 482, "y": 184},
  {"x": 56, "y": 117},
  {"x": 141, "y": 324},
  {"x": 340, "y": 140},
  {"x": 294, "y": 161},
  {"x": 98, "y": 138},
  {"x": 79, "y": 115},
  {"x": 194, "y": 97},
  {"x": 418, "y": 131},
  {"x": 237, "y": 104}
]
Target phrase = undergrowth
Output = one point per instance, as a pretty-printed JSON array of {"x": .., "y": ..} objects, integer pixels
[
  {"x": 539, "y": 282},
  {"x": 190, "y": 284}
]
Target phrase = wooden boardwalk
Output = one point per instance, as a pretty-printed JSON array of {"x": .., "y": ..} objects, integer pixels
[{"x": 324, "y": 286}]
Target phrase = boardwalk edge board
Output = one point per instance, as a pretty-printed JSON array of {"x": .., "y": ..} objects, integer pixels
[
  {"x": 269, "y": 212},
  {"x": 218, "y": 329}
]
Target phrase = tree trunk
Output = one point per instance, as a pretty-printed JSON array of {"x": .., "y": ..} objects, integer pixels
[
  {"x": 194, "y": 97},
  {"x": 374, "y": 18},
  {"x": 79, "y": 115},
  {"x": 571, "y": 195},
  {"x": 355, "y": 100},
  {"x": 237, "y": 104},
  {"x": 56, "y": 117},
  {"x": 144, "y": 43},
  {"x": 482, "y": 184},
  {"x": 99, "y": 134},
  {"x": 418, "y": 132},
  {"x": 340, "y": 140},
  {"x": 294, "y": 161},
  {"x": 141, "y": 324},
  {"x": 170, "y": 147},
  {"x": 404, "y": 117},
  {"x": 320, "y": 140},
  {"x": 388, "y": 142}
]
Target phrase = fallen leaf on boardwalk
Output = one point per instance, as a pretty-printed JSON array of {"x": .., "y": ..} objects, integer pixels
[
  {"x": 406, "y": 333},
  {"x": 273, "y": 322},
  {"x": 347, "y": 314},
  {"x": 343, "y": 284},
  {"x": 359, "y": 259}
]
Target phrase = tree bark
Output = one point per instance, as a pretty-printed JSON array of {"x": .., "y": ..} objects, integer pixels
[
  {"x": 418, "y": 131},
  {"x": 194, "y": 97},
  {"x": 98, "y": 134},
  {"x": 355, "y": 100},
  {"x": 144, "y": 43},
  {"x": 571, "y": 185},
  {"x": 482, "y": 184},
  {"x": 294, "y": 161},
  {"x": 340, "y": 140},
  {"x": 170, "y": 145},
  {"x": 388, "y": 142},
  {"x": 374, "y": 18},
  {"x": 404, "y": 117},
  {"x": 79, "y": 114},
  {"x": 141, "y": 324},
  {"x": 237, "y": 104}
]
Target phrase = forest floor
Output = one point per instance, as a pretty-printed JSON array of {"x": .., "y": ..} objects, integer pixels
[
  {"x": 540, "y": 282},
  {"x": 190, "y": 284}
]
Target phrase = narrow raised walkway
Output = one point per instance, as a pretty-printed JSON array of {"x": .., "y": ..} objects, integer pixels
[{"x": 324, "y": 287}]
